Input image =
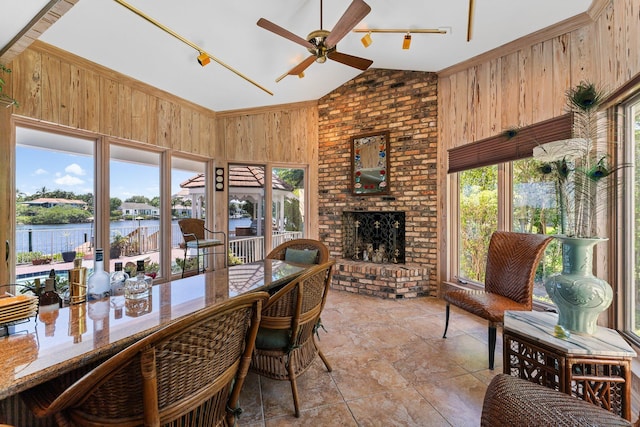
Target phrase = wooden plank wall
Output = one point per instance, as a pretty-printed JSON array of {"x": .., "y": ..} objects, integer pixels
[
  {"x": 528, "y": 85},
  {"x": 275, "y": 136},
  {"x": 57, "y": 87}
]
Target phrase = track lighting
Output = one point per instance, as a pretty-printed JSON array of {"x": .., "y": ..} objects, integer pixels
[
  {"x": 366, "y": 40},
  {"x": 203, "y": 59},
  {"x": 406, "y": 43},
  {"x": 301, "y": 75}
]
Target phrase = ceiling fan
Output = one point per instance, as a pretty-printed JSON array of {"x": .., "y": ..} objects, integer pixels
[{"x": 322, "y": 43}]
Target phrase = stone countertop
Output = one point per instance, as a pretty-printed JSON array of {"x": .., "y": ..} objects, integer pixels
[
  {"x": 57, "y": 342},
  {"x": 539, "y": 327}
]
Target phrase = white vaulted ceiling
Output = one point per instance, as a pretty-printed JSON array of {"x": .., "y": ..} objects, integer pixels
[{"x": 105, "y": 32}]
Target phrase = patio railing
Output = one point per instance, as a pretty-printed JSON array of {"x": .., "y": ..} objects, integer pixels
[{"x": 144, "y": 239}]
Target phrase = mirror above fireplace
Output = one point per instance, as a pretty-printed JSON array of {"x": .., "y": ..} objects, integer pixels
[{"x": 370, "y": 163}]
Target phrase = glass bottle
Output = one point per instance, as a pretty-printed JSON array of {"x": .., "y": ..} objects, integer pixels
[
  {"x": 48, "y": 306},
  {"x": 98, "y": 284},
  {"x": 77, "y": 322},
  {"x": 77, "y": 282},
  {"x": 118, "y": 278},
  {"x": 138, "y": 286}
]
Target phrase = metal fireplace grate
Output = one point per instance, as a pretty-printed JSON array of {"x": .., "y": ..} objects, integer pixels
[{"x": 374, "y": 236}]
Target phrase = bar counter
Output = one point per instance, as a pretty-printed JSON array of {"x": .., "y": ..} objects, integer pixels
[{"x": 55, "y": 343}]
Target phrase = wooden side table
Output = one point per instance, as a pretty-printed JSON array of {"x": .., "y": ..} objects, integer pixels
[{"x": 595, "y": 368}]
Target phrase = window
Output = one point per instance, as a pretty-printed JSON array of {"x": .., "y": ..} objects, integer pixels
[
  {"x": 135, "y": 204},
  {"x": 478, "y": 216},
  {"x": 631, "y": 244},
  {"x": 188, "y": 200},
  {"x": 288, "y": 204},
  {"x": 247, "y": 226},
  {"x": 54, "y": 202},
  {"x": 534, "y": 210}
]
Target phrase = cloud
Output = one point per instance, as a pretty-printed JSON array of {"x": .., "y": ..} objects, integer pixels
[
  {"x": 40, "y": 171},
  {"x": 75, "y": 169},
  {"x": 68, "y": 181}
]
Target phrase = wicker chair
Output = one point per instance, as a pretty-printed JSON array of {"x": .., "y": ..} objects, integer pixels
[
  {"x": 194, "y": 235},
  {"x": 511, "y": 401},
  {"x": 286, "y": 345},
  {"x": 294, "y": 248},
  {"x": 188, "y": 373},
  {"x": 511, "y": 266}
]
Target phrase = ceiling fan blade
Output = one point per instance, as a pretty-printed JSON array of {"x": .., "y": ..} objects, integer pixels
[
  {"x": 298, "y": 69},
  {"x": 270, "y": 26},
  {"x": 350, "y": 60},
  {"x": 356, "y": 11}
]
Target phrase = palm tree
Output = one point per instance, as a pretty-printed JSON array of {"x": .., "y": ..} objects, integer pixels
[{"x": 42, "y": 192}]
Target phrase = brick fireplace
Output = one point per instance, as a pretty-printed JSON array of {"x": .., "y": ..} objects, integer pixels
[{"x": 405, "y": 104}]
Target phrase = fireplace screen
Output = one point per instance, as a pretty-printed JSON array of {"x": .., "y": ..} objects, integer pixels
[{"x": 374, "y": 236}]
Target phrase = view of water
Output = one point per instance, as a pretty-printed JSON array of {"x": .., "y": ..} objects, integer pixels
[{"x": 53, "y": 238}]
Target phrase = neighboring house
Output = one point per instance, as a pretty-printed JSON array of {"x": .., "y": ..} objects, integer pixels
[
  {"x": 135, "y": 209},
  {"x": 45, "y": 202}
]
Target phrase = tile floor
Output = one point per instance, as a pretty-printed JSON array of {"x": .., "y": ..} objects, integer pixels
[{"x": 391, "y": 367}]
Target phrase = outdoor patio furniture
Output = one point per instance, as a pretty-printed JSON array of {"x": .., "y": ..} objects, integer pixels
[{"x": 199, "y": 238}]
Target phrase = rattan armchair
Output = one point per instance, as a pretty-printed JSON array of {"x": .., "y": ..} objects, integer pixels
[
  {"x": 293, "y": 250},
  {"x": 511, "y": 401},
  {"x": 188, "y": 373},
  {"x": 286, "y": 345},
  {"x": 199, "y": 238},
  {"x": 512, "y": 261}
]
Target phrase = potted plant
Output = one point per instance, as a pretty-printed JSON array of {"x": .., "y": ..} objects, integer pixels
[
  {"x": 151, "y": 268},
  {"x": 4, "y": 98},
  {"x": 68, "y": 255},
  {"x": 585, "y": 177},
  {"x": 118, "y": 242}
]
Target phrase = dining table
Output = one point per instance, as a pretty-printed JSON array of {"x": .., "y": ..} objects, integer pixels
[{"x": 61, "y": 341}]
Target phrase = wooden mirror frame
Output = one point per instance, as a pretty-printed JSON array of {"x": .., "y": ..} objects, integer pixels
[{"x": 370, "y": 169}]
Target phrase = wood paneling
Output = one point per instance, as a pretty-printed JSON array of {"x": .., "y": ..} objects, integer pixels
[{"x": 527, "y": 80}]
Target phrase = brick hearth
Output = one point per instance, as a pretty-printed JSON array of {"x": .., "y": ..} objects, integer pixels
[{"x": 381, "y": 280}]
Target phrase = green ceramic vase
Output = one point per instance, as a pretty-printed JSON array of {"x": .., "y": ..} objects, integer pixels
[{"x": 579, "y": 295}]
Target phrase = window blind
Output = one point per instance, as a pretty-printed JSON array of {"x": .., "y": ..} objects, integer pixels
[{"x": 509, "y": 145}]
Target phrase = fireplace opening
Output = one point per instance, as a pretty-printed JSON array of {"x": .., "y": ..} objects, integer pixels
[{"x": 377, "y": 237}]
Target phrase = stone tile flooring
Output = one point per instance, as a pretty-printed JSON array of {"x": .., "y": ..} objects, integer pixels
[{"x": 391, "y": 367}]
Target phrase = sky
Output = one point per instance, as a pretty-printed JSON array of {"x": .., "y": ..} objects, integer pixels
[{"x": 37, "y": 168}]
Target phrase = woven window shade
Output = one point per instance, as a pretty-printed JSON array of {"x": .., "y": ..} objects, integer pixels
[{"x": 505, "y": 148}]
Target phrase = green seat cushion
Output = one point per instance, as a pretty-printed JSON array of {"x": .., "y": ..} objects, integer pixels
[
  {"x": 272, "y": 339},
  {"x": 203, "y": 243},
  {"x": 301, "y": 256}
]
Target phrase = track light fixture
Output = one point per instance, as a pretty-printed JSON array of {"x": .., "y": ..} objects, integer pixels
[
  {"x": 203, "y": 59},
  {"x": 200, "y": 50},
  {"x": 366, "y": 40},
  {"x": 406, "y": 43}
]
